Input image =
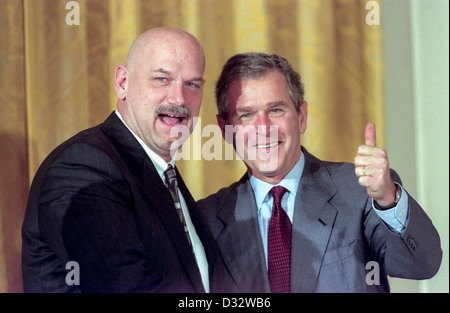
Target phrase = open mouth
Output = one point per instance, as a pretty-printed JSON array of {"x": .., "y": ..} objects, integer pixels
[{"x": 172, "y": 119}]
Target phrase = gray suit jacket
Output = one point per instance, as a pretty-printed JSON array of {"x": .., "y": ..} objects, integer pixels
[{"x": 335, "y": 234}]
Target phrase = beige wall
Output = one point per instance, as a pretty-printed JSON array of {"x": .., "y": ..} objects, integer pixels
[{"x": 417, "y": 110}]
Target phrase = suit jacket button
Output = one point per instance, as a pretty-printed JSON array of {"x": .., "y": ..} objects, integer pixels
[{"x": 412, "y": 243}]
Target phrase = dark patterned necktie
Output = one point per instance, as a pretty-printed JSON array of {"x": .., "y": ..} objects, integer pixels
[
  {"x": 279, "y": 244},
  {"x": 172, "y": 183}
]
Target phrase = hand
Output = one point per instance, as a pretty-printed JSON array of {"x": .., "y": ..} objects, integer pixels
[{"x": 372, "y": 169}]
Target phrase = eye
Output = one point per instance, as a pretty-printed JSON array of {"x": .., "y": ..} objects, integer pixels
[
  {"x": 245, "y": 115},
  {"x": 276, "y": 111},
  {"x": 161, "y": 79},
  {"x": 191, "y": 84}
]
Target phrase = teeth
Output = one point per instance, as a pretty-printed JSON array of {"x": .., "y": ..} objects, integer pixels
[
  {"x": 171, "y": 115},
  {"x": 171, "y": 119},
  {"x": 268, "y": 145}
]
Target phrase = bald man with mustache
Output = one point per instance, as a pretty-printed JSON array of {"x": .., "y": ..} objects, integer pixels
[{"x": 100, "y": 214}]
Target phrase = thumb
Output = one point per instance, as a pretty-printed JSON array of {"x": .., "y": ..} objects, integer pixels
[{"x": 370, "y": 136}]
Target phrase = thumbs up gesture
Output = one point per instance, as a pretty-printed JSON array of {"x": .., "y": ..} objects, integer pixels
[{"x": 372, "y": 169}]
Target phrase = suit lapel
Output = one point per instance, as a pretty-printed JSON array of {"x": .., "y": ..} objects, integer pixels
[
  {"x": 157, "y": 193},
  {"x": 200, "y": 225},
  {"x": 241, "y": 244},
  {"x": 312, "y": 224},
  {"x": 143, "y": 171},
  {"x": 240, "y": 241}
]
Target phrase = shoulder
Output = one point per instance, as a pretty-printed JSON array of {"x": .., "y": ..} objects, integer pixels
[
  {"x": 343, "y": 173},
  {"x": 79, "y": 146},
  {"x": 214, "y": 202},
  {"x": 103, "y": 137},
  {"x": 314, "y": 164},
  {"x": 319, "y": 173},
  {"x": 86, "y": 154}
]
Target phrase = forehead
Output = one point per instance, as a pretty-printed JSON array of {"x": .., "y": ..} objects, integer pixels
[
  {"x": 172, "y": 55},
  {"x": 250, "y": 91}
]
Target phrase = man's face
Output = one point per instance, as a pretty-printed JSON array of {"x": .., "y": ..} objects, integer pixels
[
  {"x": 264, "y": 117},
  {"x": 164, "y": 90}
]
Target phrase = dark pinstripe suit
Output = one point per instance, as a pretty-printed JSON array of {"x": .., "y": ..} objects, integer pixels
[{"x": 98, "y": 200}]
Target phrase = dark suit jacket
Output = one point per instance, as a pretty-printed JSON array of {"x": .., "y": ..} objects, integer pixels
[
  {"x": 98, "y": 200},
  {"x": 335, "y": 234}
]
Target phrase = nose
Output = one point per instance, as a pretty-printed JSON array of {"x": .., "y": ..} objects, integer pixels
[
  {"x": 176, "y": 94},
  {"x": 263, "y": 124}
]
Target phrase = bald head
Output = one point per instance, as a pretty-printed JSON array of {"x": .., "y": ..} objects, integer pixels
[
  {"x": 156, "y": 40},
  {"x": 161, "y": 87}
]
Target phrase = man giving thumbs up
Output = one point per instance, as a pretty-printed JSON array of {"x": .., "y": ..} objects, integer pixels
[{"x": 294, "y": 223}]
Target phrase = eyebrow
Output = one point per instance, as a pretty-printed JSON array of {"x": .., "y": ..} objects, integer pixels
[
  {"x": 166, "y": 72},
  {"x": 281, "y": 103},
  {"x": 269, "y": 105},
  {"x": 162, "y": 71}
]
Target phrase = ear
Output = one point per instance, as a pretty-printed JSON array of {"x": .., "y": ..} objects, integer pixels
[
  {"x": 222, "y": 123},
  {"x": 303, "y": 117},
  {"x": 121, "y": 82}
]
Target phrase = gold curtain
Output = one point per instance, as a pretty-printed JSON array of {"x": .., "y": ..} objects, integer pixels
[{"x": 58, "y": 80}]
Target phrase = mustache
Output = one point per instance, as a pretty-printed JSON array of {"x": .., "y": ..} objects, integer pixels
[{"x": 174, "y": 109}]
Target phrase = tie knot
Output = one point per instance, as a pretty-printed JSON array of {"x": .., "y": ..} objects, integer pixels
[
  {"x": 170, "y": 174},
  {"x": 277, "y": 194}
]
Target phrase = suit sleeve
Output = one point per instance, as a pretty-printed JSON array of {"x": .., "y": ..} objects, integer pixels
[
  {"x": 86, "y": 214},
  {"x": 415, "y": 253}
]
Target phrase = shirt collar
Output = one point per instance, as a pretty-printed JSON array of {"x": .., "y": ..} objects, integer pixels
[
  {"x": 290, "y": 182},
  {"x": 159, "y": 163}
]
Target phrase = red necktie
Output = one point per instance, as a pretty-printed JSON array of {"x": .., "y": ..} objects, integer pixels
[{"x": 279, "y": 244}]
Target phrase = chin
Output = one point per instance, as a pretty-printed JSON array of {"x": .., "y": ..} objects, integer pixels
[{"x": 267, "y": 168}]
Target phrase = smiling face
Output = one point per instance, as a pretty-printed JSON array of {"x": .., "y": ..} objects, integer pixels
[
  {"x": 161, "y": 87},
  {"x": 263, "y": 106}
]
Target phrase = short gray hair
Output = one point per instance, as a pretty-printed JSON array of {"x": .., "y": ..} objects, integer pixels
[{"x": 255, "y": 65}]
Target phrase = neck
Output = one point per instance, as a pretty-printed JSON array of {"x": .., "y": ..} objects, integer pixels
[{"x": 273, "y": 178}]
